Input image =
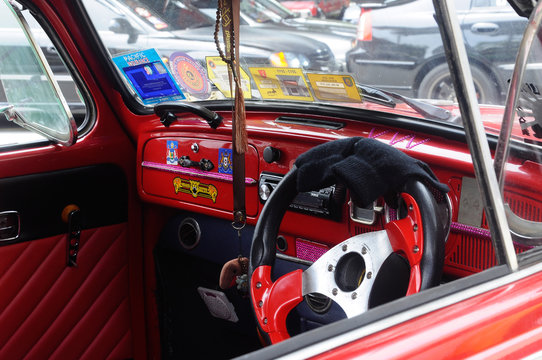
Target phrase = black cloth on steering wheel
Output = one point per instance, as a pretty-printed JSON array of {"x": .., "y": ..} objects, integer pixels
[{"x": 368, "y": 167}]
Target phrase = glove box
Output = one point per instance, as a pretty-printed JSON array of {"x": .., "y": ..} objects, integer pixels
[{"x": 197, "y": 171}]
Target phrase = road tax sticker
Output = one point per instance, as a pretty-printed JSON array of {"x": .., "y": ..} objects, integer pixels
[
  {"x": 217, "y": 70},
  {"x": 149, "y": 76},
  {"x": 190, "y": 75},
  {"x": 334, "y": 87},
  {"x": 281, "y": 83}
]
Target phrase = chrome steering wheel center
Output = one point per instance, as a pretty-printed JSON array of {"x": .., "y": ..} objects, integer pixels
[{"x": 347, "y": 272}]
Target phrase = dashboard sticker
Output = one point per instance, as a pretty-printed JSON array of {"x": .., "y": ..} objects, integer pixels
[
  {"x": 217, "y": 70},
  {"x": 190, "y": 75},
  {"x": 171, "y": 154},
  {"x": 329, "y": 87},
  {"x": 148, "y": 76},
  {"x": 225, "y": 161},
  {"x": 281, "y": 83},
  {"x": 195, "y": 188}
]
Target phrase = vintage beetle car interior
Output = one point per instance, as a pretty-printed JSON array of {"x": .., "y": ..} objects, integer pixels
[{"x": 209, "y": 207}]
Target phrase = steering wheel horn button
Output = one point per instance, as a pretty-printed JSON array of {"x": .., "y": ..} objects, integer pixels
[{"x": 352, "y": 261}]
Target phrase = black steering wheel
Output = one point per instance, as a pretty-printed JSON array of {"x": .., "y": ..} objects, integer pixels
[{"x": 354, "y": 272}]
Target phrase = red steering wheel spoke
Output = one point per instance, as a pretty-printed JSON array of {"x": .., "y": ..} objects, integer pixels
[
  {"x": 273, "y": 301},
  {"x": 406, "y": 237}
]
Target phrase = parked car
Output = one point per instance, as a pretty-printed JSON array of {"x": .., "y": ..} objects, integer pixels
[
  {"x": 270, "y": 14},
  {"x": 310, "y": 222},
  {"x": 492, "y": 33},
  {"x": 129, "y": 25},
  {"x": 333, "y": 9}
]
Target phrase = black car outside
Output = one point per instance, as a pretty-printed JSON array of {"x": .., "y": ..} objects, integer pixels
[
  {"x": 271, "y": 15},
  {"x": 404, "y": 54}
]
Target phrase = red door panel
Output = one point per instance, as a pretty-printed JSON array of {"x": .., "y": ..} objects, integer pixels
[
  {"x": 51, "y": 310},
  {"x": 47, "y": 308}
]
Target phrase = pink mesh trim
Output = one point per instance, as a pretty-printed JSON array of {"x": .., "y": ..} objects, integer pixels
[{"x": 309, "y": 251}]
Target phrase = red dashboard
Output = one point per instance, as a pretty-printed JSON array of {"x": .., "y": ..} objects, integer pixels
[{"x": 163, "y": 181}]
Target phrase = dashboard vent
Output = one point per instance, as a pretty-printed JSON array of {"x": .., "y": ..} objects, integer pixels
[
  {"x": 473, "y": 254},
  {"x": 326, "y": 124}
]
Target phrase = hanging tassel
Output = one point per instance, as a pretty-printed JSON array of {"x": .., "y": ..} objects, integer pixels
[{"x": 241, "y": 138}]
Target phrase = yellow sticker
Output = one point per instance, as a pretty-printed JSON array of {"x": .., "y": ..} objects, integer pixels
[
  {"x": 334, "y": 87},
  {"x": 195, "y": 188},
  {"x": 281, "y": 83},
  {"x": 217, "y": 70}
]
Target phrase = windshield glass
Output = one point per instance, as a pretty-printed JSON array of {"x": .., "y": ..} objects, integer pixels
[{"x": 381, "y": 58}]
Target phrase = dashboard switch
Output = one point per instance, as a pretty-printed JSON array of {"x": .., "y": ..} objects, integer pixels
[{"x": 271, "y": 154}]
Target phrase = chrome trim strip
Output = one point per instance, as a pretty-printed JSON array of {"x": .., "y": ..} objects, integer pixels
[
  {"x": 388, "y": 322},
  {"x": 193, "y": 172},
  {"x": 476, "y": 137}
]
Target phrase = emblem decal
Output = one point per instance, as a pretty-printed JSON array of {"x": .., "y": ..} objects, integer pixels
[
  {"x": 225, "y": 161},
  {"x": 195, "y": 188},
  {"x": 171, "y": 155}
]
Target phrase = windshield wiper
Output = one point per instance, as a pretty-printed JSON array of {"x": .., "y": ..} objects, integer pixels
[{"x": 386, "y": 98}]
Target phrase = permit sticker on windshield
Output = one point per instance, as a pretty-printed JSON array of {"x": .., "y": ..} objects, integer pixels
[
  {"x": 149, "y": 76},
  {"x": 281, "y": 83},
  {"x": 334, "y": 87},
  {"x": 217, "y": 70},
  {"x": 190, "y": 75}
]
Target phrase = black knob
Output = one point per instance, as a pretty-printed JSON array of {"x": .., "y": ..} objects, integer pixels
[{"x": 271, "y": 154}]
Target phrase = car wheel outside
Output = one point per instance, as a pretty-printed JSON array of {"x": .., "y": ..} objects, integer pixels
[{"x": 437, "y": 84}]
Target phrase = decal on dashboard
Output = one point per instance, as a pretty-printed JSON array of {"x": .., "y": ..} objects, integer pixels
[
  {"x": 195, "y": 188},
  {"x": 225, "y": 161},
  {"x": 171, "y": 155},
  {"x": 397, "y": 138}
]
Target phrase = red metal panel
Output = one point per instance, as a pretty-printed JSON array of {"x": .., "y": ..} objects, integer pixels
[{"x": 502, "y": 323}]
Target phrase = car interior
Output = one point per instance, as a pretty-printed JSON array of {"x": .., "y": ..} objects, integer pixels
[{"x": 133, "y": 228}]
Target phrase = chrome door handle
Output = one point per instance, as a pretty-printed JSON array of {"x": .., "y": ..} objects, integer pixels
[{"x": 10, "y": 225}]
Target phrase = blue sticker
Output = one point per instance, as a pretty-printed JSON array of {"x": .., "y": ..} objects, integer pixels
[
  {"x": 171, "y": 156},
  {"x": 149, "y": 76},
  {"x": 225, "y": 161}
]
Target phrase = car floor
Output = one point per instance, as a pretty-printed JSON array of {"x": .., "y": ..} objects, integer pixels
[{"x": 186, "y": 325}]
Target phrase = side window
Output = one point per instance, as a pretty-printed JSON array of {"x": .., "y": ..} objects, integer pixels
[{"x": 33, "y": 107}]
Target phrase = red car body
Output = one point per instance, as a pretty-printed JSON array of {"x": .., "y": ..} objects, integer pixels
[{"x": 111, "y": 304}]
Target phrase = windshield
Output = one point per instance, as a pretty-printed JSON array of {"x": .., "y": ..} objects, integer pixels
[{"x": 389, "y": 58}]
